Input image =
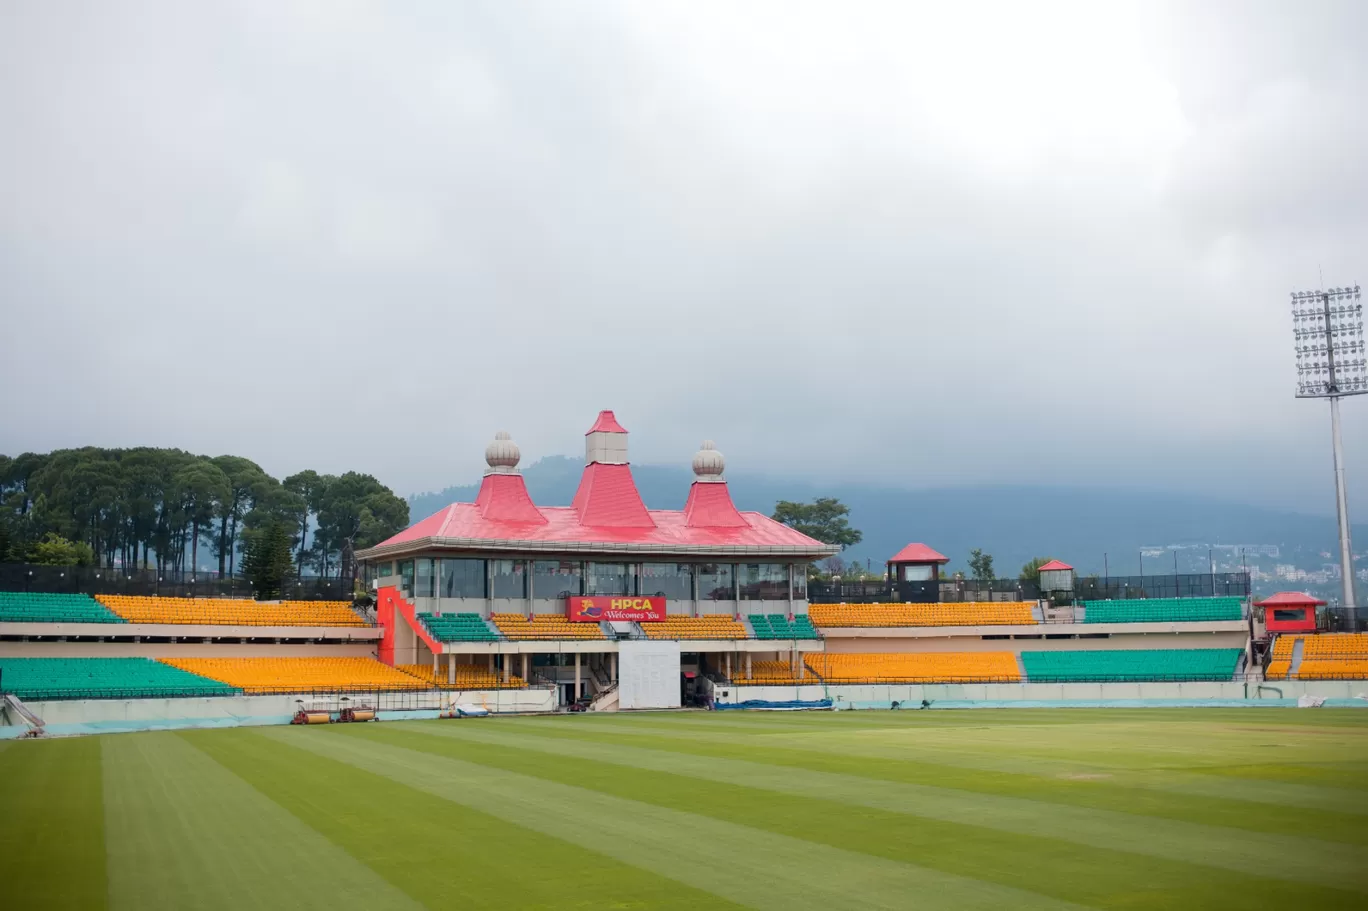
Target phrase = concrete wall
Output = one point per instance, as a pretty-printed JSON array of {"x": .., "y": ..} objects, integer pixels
[
  {"x": 96, "y": 716},
  {"x": 1057, "y": 694}
]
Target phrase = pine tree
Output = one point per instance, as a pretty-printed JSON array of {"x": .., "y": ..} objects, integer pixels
[{"x": 269, "y": 560}]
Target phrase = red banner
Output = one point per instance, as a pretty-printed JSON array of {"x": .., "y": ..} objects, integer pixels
[{"x": 614, "y": 607}]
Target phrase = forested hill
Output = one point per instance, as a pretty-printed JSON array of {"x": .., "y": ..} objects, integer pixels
[{"x": 1012, "y": 523}]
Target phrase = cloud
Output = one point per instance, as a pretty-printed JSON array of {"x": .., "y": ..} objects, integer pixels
[{"x": 926, "y": 244}]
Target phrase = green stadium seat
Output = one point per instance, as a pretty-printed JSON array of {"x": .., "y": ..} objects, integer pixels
[
  {"x": 1130, "y": 665},
  {"x": 1164, "y": 610},
  {"x": 102, "y": 678},
  {"x": 458, "y": 628},
  {"x": 779, "y": 626},
  {"x": 34, "y": 607}
]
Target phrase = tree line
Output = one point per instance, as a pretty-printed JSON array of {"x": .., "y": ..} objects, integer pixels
[{"x": 146, "y": 507}]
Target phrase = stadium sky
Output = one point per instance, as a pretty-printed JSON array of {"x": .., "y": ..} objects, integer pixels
[{"x": 920, "y": 244}]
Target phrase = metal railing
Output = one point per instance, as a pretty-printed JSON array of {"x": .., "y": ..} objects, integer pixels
[{"x": 97, "y": 580}]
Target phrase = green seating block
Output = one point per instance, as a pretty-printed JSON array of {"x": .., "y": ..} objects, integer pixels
[
  {"x": 779, "y": 626},
  {"x": 102, "y": 678},
  {"x": 34, "y": 607},
  {"x": 1130, "y": 665},
  {"x": 464, "y": 627},
  {"x": 1164, "y": 610}
]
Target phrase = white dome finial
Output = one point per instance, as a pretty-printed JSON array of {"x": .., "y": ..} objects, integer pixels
[
  {"x": 708, "y": 463},
  {"x": 502, "y": 456}
]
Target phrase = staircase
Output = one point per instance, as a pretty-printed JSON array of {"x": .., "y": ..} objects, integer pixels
[
  {"x": 15, "y": 708},
  {"x": 606, "y": 700},
  {"x": 1297, "y": 648},
  {"x": 1021, "y": 668}
]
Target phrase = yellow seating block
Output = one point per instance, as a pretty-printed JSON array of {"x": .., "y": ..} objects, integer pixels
[
  {"x": 966, "y": 613},
  {"x": 720, "y": 626},
  {"x": 299, "y": 675},
  {"x": 230, "y": 611},
  {"x": 545, "y": 626},
  {"x": 468, "y": 677},
  {"x": 919, "y": 667},
  {"x": 771, "y": 673}
]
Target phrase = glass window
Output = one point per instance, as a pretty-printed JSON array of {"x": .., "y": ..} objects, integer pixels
[
  {"x": 555, "y": 578},
  {"x": 1284, "y": 615},
  {"x": 426, "y": 585},
  {"x": 384, "y": 569},
  {"x": 607, "y": 579},
  {"x": 917, "y": 573},
  {"x": 800, "y": 571},
  {"x": 406, "y": 577},
  {"x": 716, "y": 582},
  {"x": 763, "y": 581},
  {"x": 509, "y": 578},
  {"x": 673, "y": 580},
  {"x": 462, "y": 578}
]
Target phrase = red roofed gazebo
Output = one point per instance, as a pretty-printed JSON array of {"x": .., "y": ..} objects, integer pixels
[
  {"x": 1056, "y": 576},
  {"x": 1290, "y": 612},
  {"x": 916, "y": 563}
]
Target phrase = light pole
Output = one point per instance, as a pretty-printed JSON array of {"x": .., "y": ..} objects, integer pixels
[{"x": 1328, "y": 328}]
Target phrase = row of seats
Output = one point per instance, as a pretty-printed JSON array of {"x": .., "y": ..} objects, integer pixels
[
  {"x": 779, "y": 626},
  {"x": 300, "y": 675},
  {"x": 545, "y": 626},
  {"x": 965, "y": 613},
  {"x": 102, "y": 678},
  {"x": 1163, "y": 610},
  {"x": 25, "y": 607},
  {"x": 1325, "y": 656},
  {"x": 468, "y": 677},
  {"x": 717, "y": 626},
  {"x": 769, "y": 673},
  {"x": 1127, "y": 665},
  {"x": 920, "y": 667},
  {"x": 458, "y": 627},
  {"x": 230, "y": 611}
]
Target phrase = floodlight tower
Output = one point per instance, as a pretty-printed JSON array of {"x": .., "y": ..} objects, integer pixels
[{"x": 1328, "y": 327}]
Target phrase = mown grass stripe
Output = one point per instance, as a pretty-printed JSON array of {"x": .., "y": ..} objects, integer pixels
[
  {"x": 891, "y": 764},
  {"x": 764, "y": 870},
  {"x": 444, "y": 854},
  {"x": 1098, "y": 875},
  {"x": 1278, "y": 856},
  {"x": 52, "y": 833},
  {"x": 1204, "y": 782},
  {"x": 184, "y": 832}
]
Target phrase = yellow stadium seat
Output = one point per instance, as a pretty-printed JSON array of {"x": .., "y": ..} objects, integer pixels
[
  {"x": 545, "y": 626},
  {"x": 231, "y": 612},
  {"x": 1325, "y": 656},
  {"x": 468, "y": 677},
  {"x": 716, "y": 626},
  {"x": 300, "y": 675},
  {"x": 918, "y": 667},
  {"x": 965, "y": 613}
]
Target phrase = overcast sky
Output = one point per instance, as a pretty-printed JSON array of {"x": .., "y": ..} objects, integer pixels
[{"x": 931, "y": 244}]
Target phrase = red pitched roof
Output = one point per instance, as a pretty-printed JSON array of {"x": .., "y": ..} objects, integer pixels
[
  {"x": 710, "y": 506},
  {"x": 918, "y": 553},
  {"x": 1055, "y": 566},
  {"x": 607, "y": 496},
  {"x": 1290, "y": 599},
  {"x": 504, "y": 497},
  {"x": 462, "y": 525},
  {"x": 606, "y": 423}
]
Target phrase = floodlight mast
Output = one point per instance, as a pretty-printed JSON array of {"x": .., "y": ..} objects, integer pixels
[{"x": 1322, "y": 334}]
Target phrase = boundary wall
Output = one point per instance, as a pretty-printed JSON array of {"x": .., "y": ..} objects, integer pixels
[
  {"x": 1057, "y": 695},
  {"x": 108, "y": 716}
]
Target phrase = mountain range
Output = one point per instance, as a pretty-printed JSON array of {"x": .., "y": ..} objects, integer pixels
[{"x": 1013, "y": 523}]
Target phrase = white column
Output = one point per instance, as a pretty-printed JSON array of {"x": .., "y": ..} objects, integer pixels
[
  {"x": 524, "y": 666},
  {"x": 434, "y": 664},
  {"x": 451, "y": 668},
  {"x": 729, "y": 665},
  {"x": 694, "y": 612},
  {"x": 791, "y": 568},
  {"x": 491, "y": 662},
  {"x": 802, "y": 667},
  {"x": 748, "y": 664},
  {"x": 578, "y": 690},
  {"x": 612, "y": 658},
  {"x": 508, "y": 668}
]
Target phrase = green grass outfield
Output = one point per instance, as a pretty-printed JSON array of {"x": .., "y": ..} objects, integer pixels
[{"x": 1016, "y": 809}]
